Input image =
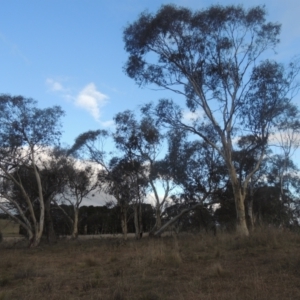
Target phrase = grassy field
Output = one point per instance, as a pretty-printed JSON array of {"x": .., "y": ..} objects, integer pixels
[
  {"x": 264, "y": 266},
  {"x": 9, "y": 228}
]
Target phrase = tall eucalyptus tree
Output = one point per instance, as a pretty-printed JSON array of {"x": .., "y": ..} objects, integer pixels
[
  {"x": 216, "y": 59},
  {"x": 25, "y": 131}
]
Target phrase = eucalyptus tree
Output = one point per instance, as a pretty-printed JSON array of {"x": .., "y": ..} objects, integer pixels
[
  {"x": 143, "y": 140},
  {"x": 216, "y": 59},
  {"x": 53, "y": 181},
  {"x": 125, "y": 183},
  {"x": 90, "y": 146},
  {"x": 245, "y": 156},
  {"x": 81, "y": 179},
  {"x": 24, "y": 133},
  {"x": 287, "y": 140},
  {"x": 198, "y": 172},
  {"x": 283, "y": 174},
  {"x": 117, "y": 174}
]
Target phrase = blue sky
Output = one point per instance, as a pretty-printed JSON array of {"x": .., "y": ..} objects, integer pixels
[{"x": 71, "y": 53}]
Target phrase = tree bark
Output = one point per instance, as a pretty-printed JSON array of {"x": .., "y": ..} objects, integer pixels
[
  {"x": 75, "y": 224},
  {"x": 136, "y": 222},
  {"x": 250, "y": 209},
  {"x": 51, "y": 236},
  {"x": 239, "y": 193},
  {"x": 141, "y": 220},
  {"x": 241, "y": 225},
  {"x": 39, "y": 226},
  {"x": 157, "y": 225},
  {"x": 124, "y": 222},
  {"x": 34, "y": 241},
  {"x": 158, "y": 218}
]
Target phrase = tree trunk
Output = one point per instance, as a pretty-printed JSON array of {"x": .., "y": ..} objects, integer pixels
[
  {"x": 157, "y": 225},
  {"x": 250, "y": 214},
  {"x": 260, "y": 218},
  {"x": 136, "y": 222},
  {"x": 34, "y": 241},
  {"x": 158, "y": 218},
  {"x": 39, "y": 226},
  {"x": 51, "y": 236},
  {"x": 241, "y": 224},
  {"x": 124, "y": 222},
  {"x": 75, "y": 224},
  {"x": 141, "y": 220},
  {"x": 250, "y": 209},
  {"x": 239, "y": 199},
  {"x": 30, "y": 237}
]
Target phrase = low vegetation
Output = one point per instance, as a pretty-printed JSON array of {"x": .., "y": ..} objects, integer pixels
[{"x": 265, "y": 265}]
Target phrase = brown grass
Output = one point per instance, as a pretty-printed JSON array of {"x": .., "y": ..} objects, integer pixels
[{"x": 264, "y": 266}]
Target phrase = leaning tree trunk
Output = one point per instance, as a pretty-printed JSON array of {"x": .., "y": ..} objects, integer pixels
[{"x": 174, "y": 219}]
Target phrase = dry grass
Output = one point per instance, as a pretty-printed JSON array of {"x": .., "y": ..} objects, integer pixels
[{"x": 264, "y": 266}]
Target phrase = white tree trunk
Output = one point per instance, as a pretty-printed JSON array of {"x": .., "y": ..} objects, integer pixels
[
  {"x": 239, "y": 198},
  {"x": 241, "y": 225},
  {"x": 39, "y": 226},
  {"x": 75, "y": 224},
  {"x": 124, "y": 222},
  {"x": 136, "y": 222}
]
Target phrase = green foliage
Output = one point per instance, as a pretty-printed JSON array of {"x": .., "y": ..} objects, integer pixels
[
  {"x": 85, "y": 144},
  {"x": 24, "y": 123}
]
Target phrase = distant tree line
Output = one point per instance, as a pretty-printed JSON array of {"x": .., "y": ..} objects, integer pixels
[{"x": 94, "y": 220}]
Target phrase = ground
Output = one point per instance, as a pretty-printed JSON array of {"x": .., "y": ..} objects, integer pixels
[{"x": 189, "y": 266}]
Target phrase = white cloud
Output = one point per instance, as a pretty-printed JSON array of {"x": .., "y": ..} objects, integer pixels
[
  {"x": 91, "y": 100},
  {"x": 189, "y": 116},
  {"x": 54, "y": 85},
  {"x": 285, "y": 139},
  {"x": 110, "y": 124}
]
